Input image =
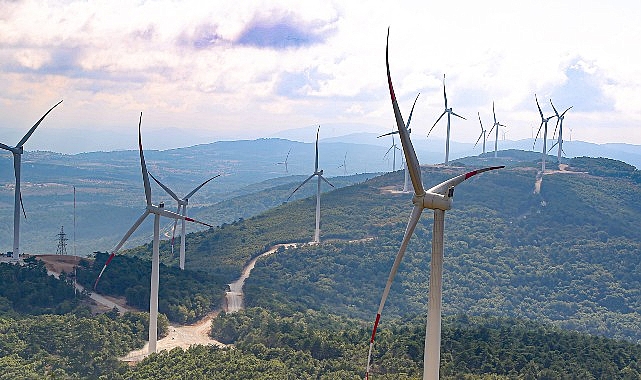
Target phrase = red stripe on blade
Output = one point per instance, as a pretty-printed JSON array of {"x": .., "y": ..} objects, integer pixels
[{"x": 378, "y": 318}]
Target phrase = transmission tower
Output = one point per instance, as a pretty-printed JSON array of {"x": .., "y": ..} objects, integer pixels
[{"x": 62, "y": 242}]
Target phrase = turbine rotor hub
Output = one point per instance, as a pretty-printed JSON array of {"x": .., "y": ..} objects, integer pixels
[{"x": 433, "y": 201}]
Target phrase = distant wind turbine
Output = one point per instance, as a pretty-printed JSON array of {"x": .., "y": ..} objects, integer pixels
[
  {"x": 544, "y": 125},
  {"x": 409, "y": 130},
  {"x": 319, "y": 174},
  {"x": 344, "y": 164},
  {"x": 17, "y": 152},
  {"x": 449, "y": 112},
  {"x": 559, "y": 125},
  {"x": 158, "y": 211},
  {"x": 182, "y": 210},
  {"x": 439, "y": 199},
  {"x": 496, "y": 137},
  {"x": 392, "y": 149},
  {"x": 482, "y": 135},
  {"x": 285, "y": 162}
]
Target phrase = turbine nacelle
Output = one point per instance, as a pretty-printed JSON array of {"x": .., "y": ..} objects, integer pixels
[{"x": 434, "y": 201}]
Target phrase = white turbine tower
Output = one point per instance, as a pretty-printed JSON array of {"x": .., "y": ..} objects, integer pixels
[
  {"x": 409, "y": 130},
  {"x": 496, "y": 137},
  {"x": 449, "y": 112},
  {"x": 319, "y": 174},
  {"x": 17, "y": 158},
  {"x": 158, "y": 211},
  {"x": 483, "y": 131},
  {"x": 439, "y": 199},
  {"x": 182, "y": 210},
  {"x": 544, "y": 125},
  {"x": 559, "y": 125}
]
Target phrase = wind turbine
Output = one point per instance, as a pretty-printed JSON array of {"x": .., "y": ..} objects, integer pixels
[
  {"x": 409, "y": 130},
  {"x": 483, "y": 131},
  {"x": 559, "y": 125},
  {"x": 284, "y": 162},
  {"x": 439, "y": 199},
  {"x": 392, "y": 149},
  {"x": 496, "y": 137},
  {"x": 319, "y": 174},
  {"x": 17, "y": 158},
  {"x": 449, "y": 112},
  {"x": 544, "y": 123},
  {"x": 182, "y": 210},
  {"x": 158, "y": 211},
  {"x": 344, "y": 164}
]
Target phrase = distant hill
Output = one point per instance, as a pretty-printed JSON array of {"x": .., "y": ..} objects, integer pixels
[{"x": 109, "y": 192}]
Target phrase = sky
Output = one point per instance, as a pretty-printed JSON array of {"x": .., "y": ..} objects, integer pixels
[{"x": 209, "y": 70}]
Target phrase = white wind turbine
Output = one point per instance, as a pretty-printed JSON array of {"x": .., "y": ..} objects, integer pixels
[
  {"x": 439, "y": 199},
  {"x": 449, "y": 112},
  {"x": 483, "y": 131},
  {"x": 496, "y": 137},
  {"x": 392, "y": 149},
  {"x": 559, "y": 125},
  {"x": 319, "y": 174},
  {"x": 17, "y": 152},
  {"x": 344, "y": 164},
  {"x": 182, "y": 210},
  {"x": 544, "y": 125},
  {"x": 409, "y": 130},
  {"x": 285, "y": 162},
  {"x": 158, "y": 211}
]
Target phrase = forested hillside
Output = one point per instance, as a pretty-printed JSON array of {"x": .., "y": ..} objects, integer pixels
[{"x": 569, "y": 255}]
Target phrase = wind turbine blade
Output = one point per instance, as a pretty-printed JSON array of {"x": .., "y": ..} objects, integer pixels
[
  {"x": 444, "y": 94},
  {"x": 491, "y": 129},
  {"x": 387, "y": 134},
  {"x": 554, "y": 108},
  {"x": 120, "y": 244},
  {"x": 493, "y": 113},
  {"x": 443, "y": 187},
  {"x": 410, "y": 155},
  {"x": 455, "y": 114},
  {"x": 537, "y": 135},
  {"x": 553, "y": 145},
  {"x": 26, "y": 137},
  {"x": 173, "y": 215},
  {"x": 436, "y": 122},
  {"x": 316, "y": 162},
  {"x": 326, "y": 181},
  {"x": 411, "y": 225},
  {"x": 199, "y": 187},
  {"x": 390, "y": 148},
  {"x": 409, "y": 119},
  {"x": 537, "y": 104},
  {"x": 168, "y": 190},
  {"x": 7, "y": 147},
  {"x": 143, "y": 165},
  {"x": 563, "y": 114},
  {"x": 479, "y": 139},
  {"x": 301, "y": 185},
  {"x": 22, "y": 205}
]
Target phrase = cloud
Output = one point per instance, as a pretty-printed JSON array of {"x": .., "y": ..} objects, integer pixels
[
  {"x": 583, "y": 89},
  {"x": 283, "y": 32}
]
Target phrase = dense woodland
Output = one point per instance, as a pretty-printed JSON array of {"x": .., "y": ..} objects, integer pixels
[{"x": 531, "y": 291}]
